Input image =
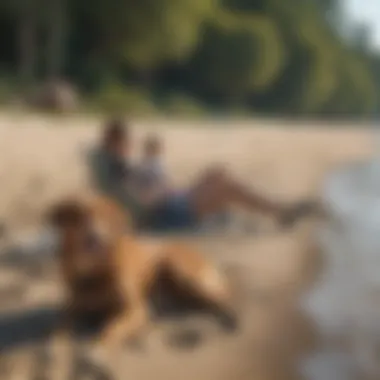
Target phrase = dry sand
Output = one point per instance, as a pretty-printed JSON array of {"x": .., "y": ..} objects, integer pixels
[{"x": 287, "y": 162}]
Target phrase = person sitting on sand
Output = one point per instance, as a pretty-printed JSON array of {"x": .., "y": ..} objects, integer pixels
[
  {"x": 114, "y": 174},
  {"x": 151, "y": 171},
  {"x": 153, "y": 177}
]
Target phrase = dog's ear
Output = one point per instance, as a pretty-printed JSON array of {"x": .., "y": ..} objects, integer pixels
[{"x": 66, "y": 213}]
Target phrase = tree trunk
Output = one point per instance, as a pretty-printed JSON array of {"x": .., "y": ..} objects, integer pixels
[
  {"x": 27, "y": 43},
  {"x": 56, "y": 39}
]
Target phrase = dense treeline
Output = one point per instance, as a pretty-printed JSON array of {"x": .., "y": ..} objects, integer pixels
[{"x": 269, "y": 56}]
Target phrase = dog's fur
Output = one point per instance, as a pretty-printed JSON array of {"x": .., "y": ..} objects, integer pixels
[{"x": 106, "y": 268}]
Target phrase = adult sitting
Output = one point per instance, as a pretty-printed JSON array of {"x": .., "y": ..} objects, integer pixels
[{"x": 161, "y": 209}]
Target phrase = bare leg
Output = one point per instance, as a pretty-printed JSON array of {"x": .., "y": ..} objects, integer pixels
[{"x": 215, "y": 192}]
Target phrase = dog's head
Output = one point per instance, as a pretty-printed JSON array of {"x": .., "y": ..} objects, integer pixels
[{"x": 88, "y": 224}]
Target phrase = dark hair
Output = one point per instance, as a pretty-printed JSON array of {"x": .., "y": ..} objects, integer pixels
[{"x": 115, "y": 130}]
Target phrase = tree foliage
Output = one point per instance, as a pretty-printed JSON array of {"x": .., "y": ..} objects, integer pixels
[{"x": 277, "y": 56}]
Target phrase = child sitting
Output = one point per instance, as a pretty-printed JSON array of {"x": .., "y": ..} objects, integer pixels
[{"x": 152, "y": 178}]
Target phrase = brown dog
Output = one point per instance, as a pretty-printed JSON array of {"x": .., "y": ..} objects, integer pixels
[{"x": 107, "y": 269}]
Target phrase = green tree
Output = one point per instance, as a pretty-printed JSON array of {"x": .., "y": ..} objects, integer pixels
[
  {"x": 24, "y": 14},
  {"x": 238, "y": 54},
  {"x": 146, "y": 33},
  {"x": 285, "y": 57},
  {"x": 56, "y": 28},
  {"x": 309, "y": 76}
]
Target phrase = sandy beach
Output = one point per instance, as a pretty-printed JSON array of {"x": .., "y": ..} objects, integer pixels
[{"x": 42, "y": 159}]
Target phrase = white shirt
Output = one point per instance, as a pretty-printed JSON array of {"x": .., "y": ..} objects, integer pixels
[{"x": 151, "y": 174}]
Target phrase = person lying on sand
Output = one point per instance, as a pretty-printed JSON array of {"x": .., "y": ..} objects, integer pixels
[{"x": 161, "y": 209}]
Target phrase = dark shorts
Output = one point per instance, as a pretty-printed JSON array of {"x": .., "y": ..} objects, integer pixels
[{"x": 174, "y": 214}]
